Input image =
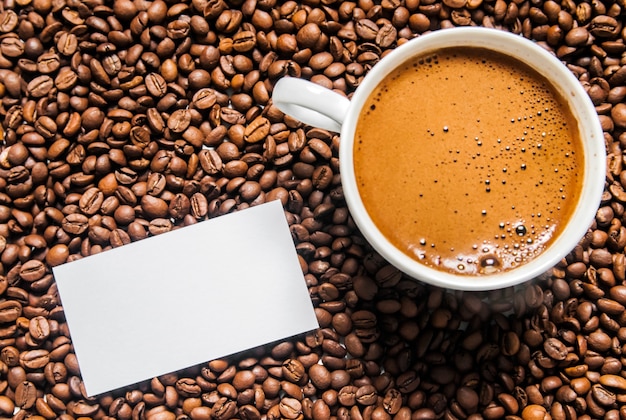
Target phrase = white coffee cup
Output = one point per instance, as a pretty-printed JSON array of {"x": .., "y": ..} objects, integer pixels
[{"x": 323, "y": 108}]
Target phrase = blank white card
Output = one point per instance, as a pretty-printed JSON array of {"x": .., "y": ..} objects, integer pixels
[{"x": 184, "y": 297}]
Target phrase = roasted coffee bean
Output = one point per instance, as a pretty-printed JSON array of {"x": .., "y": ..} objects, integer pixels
[
  {"x": 555, "y": 349},
  {"x": 613, "y": 382},
  {"x": 603, "y": 396},
  {"x": 320, "y": 376},
  {"x": 34, "y": 359},
  {"x": 156, "y": 85},
  {"x": 290, "y": 408},
  {"x": 25, "y": 395},
  {"x": 12, "y": 47},
  {"x": 10, "y": 310},
  {"x": 366, "y": 395},
  {"x": 179, "y": 121},
  {"x": 75, "y": 223},
  {"x": 8, "y": 20},
  {"x": 40, "y": 86},
  {"x": 408, "y": 381},
  {"x": 347, "y": 395},
  {"x": 204, "y": 99},
  {"x": 257, "y": 130},
  {"x": 243, "y": 380},
  {"x": 32, "y": 270},
  {"x": 90, "y": 201},
  {"x": 293, "y": 370},
  {"x": 39, "y": 328},
  {"x": 188, "y": 387},
  {"x": 210, "y": 161}
]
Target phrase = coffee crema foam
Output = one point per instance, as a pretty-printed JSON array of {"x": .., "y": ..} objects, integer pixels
[{"x": 468, "y": 160}]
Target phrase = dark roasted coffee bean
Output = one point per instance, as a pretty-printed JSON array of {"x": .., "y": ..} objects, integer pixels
[{"x": 555, "y": 349}]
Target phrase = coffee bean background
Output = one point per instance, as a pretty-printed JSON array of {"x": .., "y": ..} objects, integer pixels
[{"x": 126, "y": 119}]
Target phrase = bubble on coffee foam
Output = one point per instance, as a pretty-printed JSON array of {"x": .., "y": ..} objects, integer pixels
[{"x": 489, "y": 264}]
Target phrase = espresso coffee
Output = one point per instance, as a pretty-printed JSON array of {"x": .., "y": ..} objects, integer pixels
[{"x": 468, "y": 160}]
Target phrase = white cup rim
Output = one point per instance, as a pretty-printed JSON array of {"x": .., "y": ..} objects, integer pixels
[{"x": 589, "y": 127}]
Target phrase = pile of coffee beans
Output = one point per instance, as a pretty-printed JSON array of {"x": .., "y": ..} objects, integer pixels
[{"x": 123, "y": 119}]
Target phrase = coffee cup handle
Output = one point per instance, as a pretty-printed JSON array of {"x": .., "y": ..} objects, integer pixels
[{"x": 310, "y": 103}]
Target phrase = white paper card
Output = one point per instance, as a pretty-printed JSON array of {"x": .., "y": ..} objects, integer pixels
[{"x": 184, "y": 297}]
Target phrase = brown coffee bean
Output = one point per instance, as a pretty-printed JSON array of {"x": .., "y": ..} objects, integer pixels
[
  {"x": 534, "y": 412},
  {"x": 603, "y": 396},
  {"x": 159, "y": 225},
  {"x": 25, "y": 395},
  {"x": 613, "y": 382},
  {"x": 347, "y": 395},
  {"x": 618, "y": 115},
  {"x": 293, "y": 371},
  {"x": 156, "y": 85},
  {"x": 32, "y": 270},
  {"x": 40, "y": 86},
  {"x": 8, "y": 21},
  {"x": 580, "y": 385},
  {"x": 320, "y": 410},
  {"x": 598, "y": 340},
  {"x": 387, "y": 34},
  {"x": 7, "y": 406},
  {"x": 12, "y": 47},
  {"x": 10, "y": 310},
  {"x": 555, "y": 349},
  {"x": 67, "y": 43},
  {"x": 210, "y": 161},
  {"x": 290, "y": 408},
  {"x": 509, "y": 403},
  {"x": 179, "y": 120},
  {"x": 48, "y": 63},
  {"x": 205, "y": 98},
  {"x": 34, "y": 359},
  {"x": 366, "y": 29},
  {"x": 424, "y": 413},
  {"x": 244, "y": 41},
  {"x": 75, "y": 223},
  {"x": 257, "y": 130},
  {"x": 610, "y": 306},
  {"x": 90, "y": 201},
  {"x": 603, "y": 26},
  {"x": 188, "y": 387},
  {"x": 320, "y": 376},
  {"x": 308, "y": 35},
  {"x": 610, "y": 366},
  {"x": 243, "y": 380},
  {"x": 39, "y": 328},
  {"x": 408, "y": 381},
  {"x": 154, "y": 207}
]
